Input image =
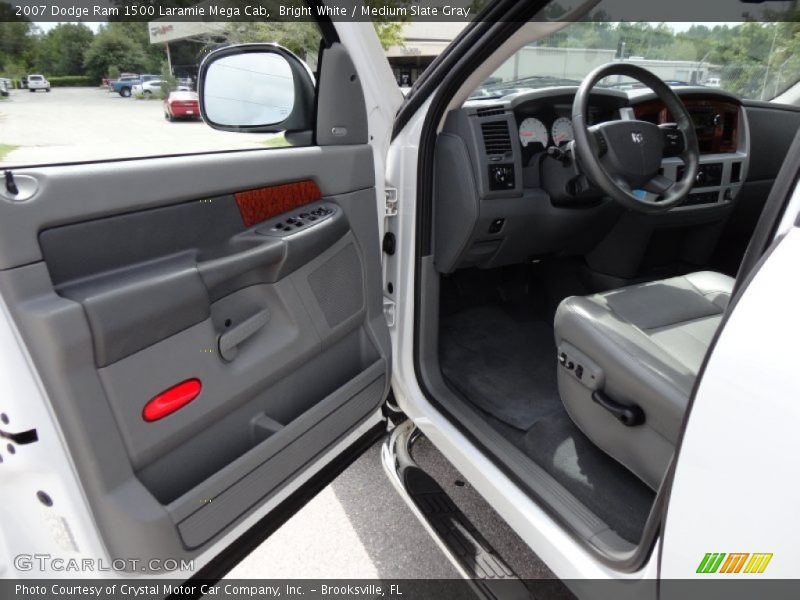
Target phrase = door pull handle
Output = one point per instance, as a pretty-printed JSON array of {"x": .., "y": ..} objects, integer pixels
[{"x": 230, "y": 340}]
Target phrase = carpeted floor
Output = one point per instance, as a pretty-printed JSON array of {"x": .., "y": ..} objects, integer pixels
[
  {"x": 505, "y": 364},
  {"x": 607, "y": 488}
]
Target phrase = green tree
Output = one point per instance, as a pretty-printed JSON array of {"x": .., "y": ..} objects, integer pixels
[
  {"x": 389, "y": 33},
  {"x": 17, "y": 39},
  {"x": 302, "y": 38},
  {"x": 138, "y": 34},
  {"x": 168, "y": 80},
  {"x": 62, "y": 50},
  {"x": 111, "y": 47}
]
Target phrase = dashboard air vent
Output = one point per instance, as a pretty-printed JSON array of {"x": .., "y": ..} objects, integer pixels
[
  {"x": 490, "y": 111},
  {"x": 496, "y": 137}
]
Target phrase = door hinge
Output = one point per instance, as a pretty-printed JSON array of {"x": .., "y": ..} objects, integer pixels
[
  {"x": 391, "y": 202},
  {"x": 389, "y": 311}
]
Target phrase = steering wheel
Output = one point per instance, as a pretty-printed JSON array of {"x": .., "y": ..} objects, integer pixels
[{"x": 624, "y": 157}]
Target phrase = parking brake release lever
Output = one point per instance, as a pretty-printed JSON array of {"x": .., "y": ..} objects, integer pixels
[{"x": 229, "y": 341}]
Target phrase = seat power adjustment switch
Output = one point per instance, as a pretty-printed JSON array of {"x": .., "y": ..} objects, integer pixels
[{"x": 581, "y": 367}]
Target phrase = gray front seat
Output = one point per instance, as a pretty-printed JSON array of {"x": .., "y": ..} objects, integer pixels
[{"x": 628, "y": 361}]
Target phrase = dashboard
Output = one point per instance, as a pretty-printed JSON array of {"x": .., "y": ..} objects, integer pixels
[
  {"x": 716, "y": 121},
  {"x": 522, "y": 200},
  {"x": 545, "y": 123}
]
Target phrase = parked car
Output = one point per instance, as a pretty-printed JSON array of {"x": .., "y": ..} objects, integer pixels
[
  {"x": 116, "y": 85},
  {"x": 38, "y": 82},
  {"x": 181, "y": 105},
  {"x": 5, "y": 85},
  {"x": 147, "y": 88},
  {"x": 124, "y": 85}
]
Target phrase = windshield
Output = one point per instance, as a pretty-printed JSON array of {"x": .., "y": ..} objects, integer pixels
[{"x": 753, "y": 60}]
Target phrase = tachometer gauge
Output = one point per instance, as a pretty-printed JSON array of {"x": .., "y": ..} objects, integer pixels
[
  {"x": 532, "y": 130},
  {"x": 562, "y": 131}
]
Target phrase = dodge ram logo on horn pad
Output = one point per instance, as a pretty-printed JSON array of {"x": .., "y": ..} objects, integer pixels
[{"x": 637, "y": 137}]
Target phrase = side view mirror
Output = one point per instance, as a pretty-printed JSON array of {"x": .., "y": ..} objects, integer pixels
[{"x": 256, "y": 88}]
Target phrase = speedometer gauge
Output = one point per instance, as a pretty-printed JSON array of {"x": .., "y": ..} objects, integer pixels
[
  {"x": 562, "y": 131},
  {"x": 532, "y": 130}
]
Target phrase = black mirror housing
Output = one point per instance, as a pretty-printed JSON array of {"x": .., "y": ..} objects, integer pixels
[{"x": 261, "y": 89}]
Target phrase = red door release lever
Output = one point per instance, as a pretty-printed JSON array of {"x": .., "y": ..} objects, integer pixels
[{"x": 168, "y": 401}]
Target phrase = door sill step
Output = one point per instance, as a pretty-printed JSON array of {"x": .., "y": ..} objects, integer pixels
[{"x": 462, "y": 543}]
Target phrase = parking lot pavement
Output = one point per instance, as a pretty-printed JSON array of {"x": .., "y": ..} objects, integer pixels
[
  {"x": 78, "y": 124},
  {"x": 360, "y": 527}
]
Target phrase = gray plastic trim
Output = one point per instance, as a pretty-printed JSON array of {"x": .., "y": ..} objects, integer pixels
[
  {"x": 772, "y": 129},
  {"x": 130, "y": 310},
  {"x": 341, "y": 110},
  {"x": 228, "y": 343},
  {"x": 457, "y": 206},
  {"x": 70, "y": 194},
  {"x": 83, "y": 250},
  {"x": 142, "y": 479},
  {"x": 322, "y": 424},
  {"x": 132, "y": 305}
]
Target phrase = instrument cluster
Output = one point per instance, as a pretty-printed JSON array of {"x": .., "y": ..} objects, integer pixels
[{"x": 533, "y": 130}]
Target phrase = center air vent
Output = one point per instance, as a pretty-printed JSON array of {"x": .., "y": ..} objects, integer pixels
[
  {"x": 496, "y": 137},
  {"x": 490, "y": 111}
]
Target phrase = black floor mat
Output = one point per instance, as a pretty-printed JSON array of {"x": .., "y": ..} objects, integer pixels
[
  {"x": 504, "y": 365},
  {"x": 606, "y": 488}
]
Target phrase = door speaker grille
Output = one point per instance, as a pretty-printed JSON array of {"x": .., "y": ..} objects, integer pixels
[{"x": 338, "y": 286}]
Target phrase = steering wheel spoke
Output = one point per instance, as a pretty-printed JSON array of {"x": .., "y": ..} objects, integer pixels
[
  {"x": 622, "y": 184},
  {"x": 658, "y": 185},
  {"x": 600, "y": 144},
  {"x": 674, "y": 139}
]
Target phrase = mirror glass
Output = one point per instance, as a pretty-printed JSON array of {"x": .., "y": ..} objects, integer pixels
[{"x": 249, "y": 89}]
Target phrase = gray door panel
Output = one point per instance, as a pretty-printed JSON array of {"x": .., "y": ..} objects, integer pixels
[
  {"x": 74, "y": 193},
  {"x": 122, "y": 289}
]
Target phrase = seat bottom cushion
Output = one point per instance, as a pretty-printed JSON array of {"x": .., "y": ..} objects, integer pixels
[{"x": 645, "y": 345}]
